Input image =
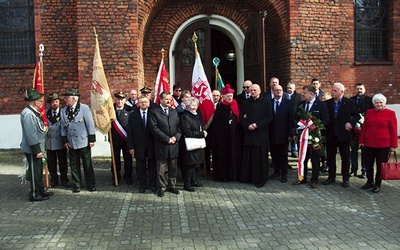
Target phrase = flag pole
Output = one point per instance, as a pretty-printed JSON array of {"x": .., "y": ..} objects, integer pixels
[{"x": 46, "y": 169}]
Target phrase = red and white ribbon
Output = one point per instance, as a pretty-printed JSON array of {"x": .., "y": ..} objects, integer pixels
[
  {"x": 120, "y": 130},
  {"x": 304, "y": 125}
]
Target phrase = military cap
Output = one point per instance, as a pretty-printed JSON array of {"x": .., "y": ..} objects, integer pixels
[
  {"x": 120, "y": 95},
  {"x": 53, "y": 96},
  {"x": 71, "y": 92},
  {"x": 145, "y": 90},
  {"x": 32, "y": 95}
]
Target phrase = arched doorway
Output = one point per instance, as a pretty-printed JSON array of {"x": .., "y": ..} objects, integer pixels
[{"x": 218, "y": 37}]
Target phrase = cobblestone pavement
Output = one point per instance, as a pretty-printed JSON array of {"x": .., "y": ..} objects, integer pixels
[{"x": 219, "y": 215}]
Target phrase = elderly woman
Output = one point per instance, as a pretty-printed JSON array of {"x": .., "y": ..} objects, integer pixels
[
  {"x": 378, "y": 137},
  {"x": 227, "y": 138},
  {"x": 191, "y": 127}
]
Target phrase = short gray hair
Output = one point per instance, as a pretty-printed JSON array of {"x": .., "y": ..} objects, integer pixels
[
  {"x": 339, "y": 86},
  {"x": 190, "y": 100},
  {"x": 76, "y": 98},
  {"x": 379, "y": 97}
]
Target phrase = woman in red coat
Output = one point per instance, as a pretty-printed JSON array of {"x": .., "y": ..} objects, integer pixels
[{"x": 378, "y": 137}]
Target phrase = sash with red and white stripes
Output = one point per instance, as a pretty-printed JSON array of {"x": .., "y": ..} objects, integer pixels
[
  {"x": 120, "y": 130},
  {"x": 304, "y": 125}
]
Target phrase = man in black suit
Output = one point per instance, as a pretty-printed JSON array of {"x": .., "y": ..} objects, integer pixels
[
  {"x": 363, "y": 103},
  {"x": 296, "y": 99},
  {"x": 280, "y": 133},
  {"x": 119, "y": 138},
  {"x": 343, "y": 116},
  {"x": 164, "y": 125},
  {"x": 141, "y": 145},
  {"x": 269, "y": 94},
  {"x": 245, "y": 93},
  {"x": 319, "y": 110},
  {"x": 317, "y": 85}
]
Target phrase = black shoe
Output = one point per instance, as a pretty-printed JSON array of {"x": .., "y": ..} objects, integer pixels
[
  {"x": 346, "y": 184},
  {"x": 92, "y": 189},
  {"x": 39, "y": 198},
  {"x": 190, "y": 189},
  {"x": 362, "y": 175},
  {"x": 173, "y": 190},
  {"x": 46, "y": 194},
  {"x": 76, "y": 190},
  {"x": 196, "y": 184},
  {"x": 294, "y": 155},
  {"x": 299, "y": 182},
  {"x": 65, "y": 184},
  {"x": 142, "y": 190},
  {"x": 260, "y": 185},
  {"x": 328, "y": 181},
  {"x": 54, "y": 184},
  {"x": 367, "y": 185},
  {"x": 274, "y": 175},
  {"x": 283, "y": 179},
  {"x": 160, "y": 193},
  {"x": 153, "y": 189},
  {"x": 376, "y": 189},
  {"x": 353, "y": 173}
]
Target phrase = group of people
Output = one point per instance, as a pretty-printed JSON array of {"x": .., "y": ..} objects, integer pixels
[{"x": 244, "y": 130}]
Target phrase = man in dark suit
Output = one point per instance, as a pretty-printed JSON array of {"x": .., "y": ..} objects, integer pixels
[
  {"x": 146, "y": 91},
  {"x": 119, "y": 138},
  {"x": 363, "y": 103},
  {"x": 141, "y": 145},
  {"x": 245, "y": 93},
  {"x": 280, "y": 132},
  {"x": 343, "y": 116},
  {"x": 269, "y": 94},
  {"x": 317, "y": 85},
  {"x": 296, "y": 99},
  {"x": 319, "y": 110},
  {"x": 164, "y": 125}
]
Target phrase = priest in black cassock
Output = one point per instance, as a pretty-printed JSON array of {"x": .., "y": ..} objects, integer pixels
[
  {"x": 227, "y": 138},
  {"x": 255, "y": 117}
]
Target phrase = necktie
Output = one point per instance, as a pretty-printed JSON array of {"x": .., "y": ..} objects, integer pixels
[
  {"x": 276, "y": 106},
  {"x": 308, "y": 106},
  {"x": 54, "y": 113},
  {"x": 247, "y": 96},
  {"x": 358, "y": 100},
  {"x": 144, "y": 118},
  {"x": 166, "y": 111}
]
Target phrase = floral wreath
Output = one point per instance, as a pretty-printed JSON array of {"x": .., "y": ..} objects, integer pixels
[{"x": 315, "y": 126}]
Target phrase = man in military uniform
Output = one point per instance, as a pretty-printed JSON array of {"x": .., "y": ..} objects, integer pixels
[
  {"x": 33, "y": 143},
  {"x": 78, "y": 135},
  {"x": 119, "y": 138},
  {"x": 54, "y": 145}
]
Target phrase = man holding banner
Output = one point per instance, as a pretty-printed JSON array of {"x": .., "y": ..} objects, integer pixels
[{"x": 119, "y": 138}]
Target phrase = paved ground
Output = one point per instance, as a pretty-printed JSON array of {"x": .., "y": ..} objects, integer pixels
[{"x": 217, "y": 216}]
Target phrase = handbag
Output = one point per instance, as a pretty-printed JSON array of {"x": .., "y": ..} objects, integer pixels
[
  {"x": 390, "y": 170},
  {"x": 194, "y": 143}
]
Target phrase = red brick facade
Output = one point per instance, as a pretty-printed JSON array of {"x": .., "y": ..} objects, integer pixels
[{"x": 305, "y": 39}]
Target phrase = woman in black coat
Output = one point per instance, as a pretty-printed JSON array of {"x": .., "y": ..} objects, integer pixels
[{"x": 191, "y": 127}]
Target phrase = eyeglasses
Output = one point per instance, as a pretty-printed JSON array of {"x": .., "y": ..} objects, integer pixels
[
  {"x": 178, "y": 90},
  {"x": 246, "y": 87}
]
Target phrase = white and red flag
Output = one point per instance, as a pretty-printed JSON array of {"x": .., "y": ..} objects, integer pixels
[
  {"x": 201, "y": 89},
  {"x": 162, "y": 84},
  {"x": 101, "y": 102},
  {"x": 38, "y": 84}
]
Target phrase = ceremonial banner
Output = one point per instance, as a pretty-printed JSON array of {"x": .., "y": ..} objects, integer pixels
[
  {"x": 162, "y": 84},
  {"x": 38, "y": 84},
  {"x": 101, "y": 101},
  {"x": 201, "y": 89},
  {"x": 220, "y": 83}
]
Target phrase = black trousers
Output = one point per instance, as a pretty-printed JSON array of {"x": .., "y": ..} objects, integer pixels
[
  {"x": 147, "y": 172},
  {"x": 378, "y": 155},
  {"x": 35, "y": 175},
  {"x": 75, "y": 155},
  {"x": 344, "y": 151},
  {"x": 127, "y": 162},
  {"x": 189, "y": 172},
  {"x": 61, "y": 156},
  {"x": 279, "y": 155},
  {"x": 315, "y": 163}
]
